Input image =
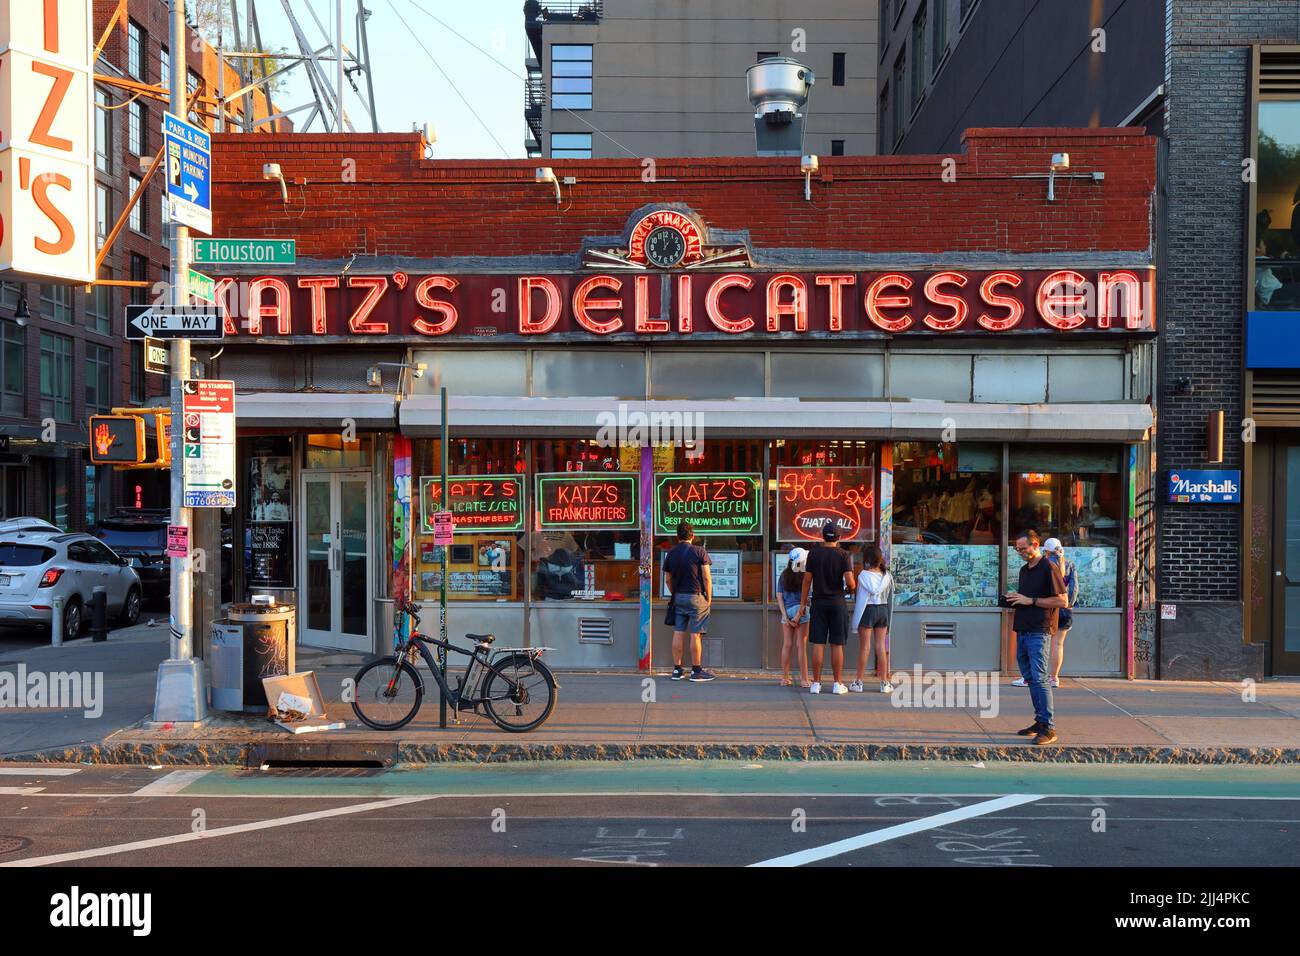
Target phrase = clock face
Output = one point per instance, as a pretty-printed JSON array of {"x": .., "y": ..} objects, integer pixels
[{"x": 665, "y": 247}]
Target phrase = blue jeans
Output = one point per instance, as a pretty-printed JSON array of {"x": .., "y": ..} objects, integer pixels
[{"x": 1033, "y": 655}]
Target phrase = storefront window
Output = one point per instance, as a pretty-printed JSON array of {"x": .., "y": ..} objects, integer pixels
[
  {"x": 1084, "y": 510},
  {"x": 1277, "y": 226},
  {"x": 586, "y": 542},
  {"x": 813, "y": 481},
  {"x": 718, "y": 487},
  {"x": 334, "y": 451},
  {"x": 488, "y": 497},
  {"x": 947, "y": 524}
]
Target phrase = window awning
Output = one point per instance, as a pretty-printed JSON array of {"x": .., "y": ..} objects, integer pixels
[
  {"x": 778, "y": 417},
  {"x": 322, "y": 410}
]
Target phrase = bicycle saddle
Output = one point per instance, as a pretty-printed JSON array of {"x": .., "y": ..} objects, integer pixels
[{"x": 481, "y": 638}]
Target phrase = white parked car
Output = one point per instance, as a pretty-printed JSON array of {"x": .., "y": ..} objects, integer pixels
[{"x": 38, "y": 565}]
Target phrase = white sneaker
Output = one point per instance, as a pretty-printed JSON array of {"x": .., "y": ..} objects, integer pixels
[
  {"x": 1020, "y": 682},
  {"x": 815, "y": 687},
  {"x": 856, "y": 687},
  {"x": 886, "y": 687},
  {"x": 838, "y": 688}
]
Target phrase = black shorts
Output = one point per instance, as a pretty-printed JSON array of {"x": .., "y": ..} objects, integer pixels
[{"x": 829, "y": 623}]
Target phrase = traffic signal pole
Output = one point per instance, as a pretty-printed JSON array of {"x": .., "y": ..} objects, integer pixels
[{"x": 180, "y": 695}]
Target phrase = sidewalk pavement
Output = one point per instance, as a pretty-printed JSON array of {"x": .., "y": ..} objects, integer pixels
[
  {"x": 608, "y": 716},
  {"x": 122, "y": 695}
]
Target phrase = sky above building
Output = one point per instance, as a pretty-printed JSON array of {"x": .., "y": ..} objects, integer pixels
[{"x": 408, "y": 46}]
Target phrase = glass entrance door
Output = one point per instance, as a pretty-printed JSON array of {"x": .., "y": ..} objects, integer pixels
[
  {"x": 1286, "y": 562},
  {"x": 336, "y": 572}
]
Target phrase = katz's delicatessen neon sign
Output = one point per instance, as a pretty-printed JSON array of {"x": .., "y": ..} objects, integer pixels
[{"x": 687, "y": 304}]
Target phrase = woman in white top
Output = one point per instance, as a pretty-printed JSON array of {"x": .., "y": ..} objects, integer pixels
[{"x": 875, "y": 597}]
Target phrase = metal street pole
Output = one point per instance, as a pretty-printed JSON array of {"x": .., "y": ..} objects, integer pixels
[
  {"x": 442, "y": 593},
  {"x": 180, "y": 694}
]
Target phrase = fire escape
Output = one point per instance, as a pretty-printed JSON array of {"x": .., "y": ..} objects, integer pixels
[{"x": 538, "y": 13}]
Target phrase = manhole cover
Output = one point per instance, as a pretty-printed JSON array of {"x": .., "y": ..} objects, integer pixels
[{"x": 12, "y": 844}]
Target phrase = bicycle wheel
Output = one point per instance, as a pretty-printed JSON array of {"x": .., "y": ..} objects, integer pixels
[
  {"x": 387, "y": 693},
  {"x": 519, "y": 693}
]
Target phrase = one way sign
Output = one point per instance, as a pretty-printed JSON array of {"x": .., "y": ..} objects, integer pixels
[{"x": 174, "y": 322}]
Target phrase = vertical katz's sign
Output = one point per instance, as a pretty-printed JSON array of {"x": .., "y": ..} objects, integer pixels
[
  {"x": 806, "y": 498},
  {"x": 47, "y": 140},
  {"x": 587, "y": 500}
]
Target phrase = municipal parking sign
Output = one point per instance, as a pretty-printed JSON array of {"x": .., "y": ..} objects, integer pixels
[{"x": 189, "y": 172}]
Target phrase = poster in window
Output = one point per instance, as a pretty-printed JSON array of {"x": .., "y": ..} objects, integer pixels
[
  {"x": 269, "y": 555},
  {"x": 268, "y": 489}
]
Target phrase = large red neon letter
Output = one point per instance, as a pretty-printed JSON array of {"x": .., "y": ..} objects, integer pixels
[
  {"x": 835, "y": 289},
  {"x": 278, "y": 310},
  {"x": 874, "y": 301},
  {"x": 797, "y": 306},
  {"x": 954, "y": 302},
  {"x": 583, "y": 305},
  {"x": 1109, "y": 283},
  {"x": 684, "y": 307},
  {"x": 527, "y": 325},
  {"x": 1062, "y": 310},
  {"x": 446, "y": 310},
  {"x": 318, "y": 285},
  {"x": 359, "y": 322},
  {"x": 222, "y": 291},
  {"x": 712, "y": 303},
  {"x": 1016, "y": 310},
  {"x": 642, "y": 323}
]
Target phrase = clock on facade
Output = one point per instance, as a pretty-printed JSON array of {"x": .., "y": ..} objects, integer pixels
[{"x": 665, "y": 247}]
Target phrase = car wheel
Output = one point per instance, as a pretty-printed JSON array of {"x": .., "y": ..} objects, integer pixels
[
  {"x": 72, "y": 619},
  {"x": 130, "y": 608}
]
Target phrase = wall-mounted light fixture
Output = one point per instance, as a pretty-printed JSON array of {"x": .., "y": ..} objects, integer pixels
[
  {"x": 1214, "y": 436},
  {"x": 21, "y": 313},
  {"x": 808, "y": 166},
  {"x": 545, "y": 174},
  {"x": 375, "y": 378},
  {"x": 271, "y": 172}
]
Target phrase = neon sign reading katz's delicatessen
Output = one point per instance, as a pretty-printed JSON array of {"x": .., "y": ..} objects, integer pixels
[{"x": 699, "y": 304}]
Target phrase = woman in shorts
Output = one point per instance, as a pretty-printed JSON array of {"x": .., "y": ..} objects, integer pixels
[
  {"x": 794, "y": 618},
  {"x": 875, "y": 596}
]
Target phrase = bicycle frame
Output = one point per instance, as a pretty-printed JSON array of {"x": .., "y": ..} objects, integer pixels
[{"x": 480, "y": 654}]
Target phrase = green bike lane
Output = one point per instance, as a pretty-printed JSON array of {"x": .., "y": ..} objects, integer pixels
[{"x": 672, "y": 777}]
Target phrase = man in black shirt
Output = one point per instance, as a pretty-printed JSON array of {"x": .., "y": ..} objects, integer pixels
[
  {"x": 828, "y": 575},
  {"x": 1038, "y": 599},
  {"x": 691, "y": 586}
]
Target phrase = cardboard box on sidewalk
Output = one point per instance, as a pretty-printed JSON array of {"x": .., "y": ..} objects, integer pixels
[{"x": 296, "y": 703}]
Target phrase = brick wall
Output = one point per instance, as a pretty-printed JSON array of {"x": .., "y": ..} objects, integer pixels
[
  {"x": 1208, "y": 127},
  {"x": 402, "y": 205}
]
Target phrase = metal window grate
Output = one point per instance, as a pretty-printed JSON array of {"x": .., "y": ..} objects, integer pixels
[
  {"x": 941, "y": 633},
  {"x": 1279, "y": 74},
  {"x": 595, "y": 630},
  {"x": 1275, "y": 399}
]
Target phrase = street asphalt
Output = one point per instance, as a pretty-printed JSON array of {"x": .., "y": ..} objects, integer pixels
[{"x": 655, "y": 813}]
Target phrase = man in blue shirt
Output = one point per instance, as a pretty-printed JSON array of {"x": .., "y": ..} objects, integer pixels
[{"x": 691, "y": 585}]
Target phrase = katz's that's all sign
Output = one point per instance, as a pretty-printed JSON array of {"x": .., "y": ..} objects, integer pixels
[{"x": 687, "y": 303}]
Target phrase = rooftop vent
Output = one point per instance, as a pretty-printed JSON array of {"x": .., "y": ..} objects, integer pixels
[{"x": 778, "y": 89}]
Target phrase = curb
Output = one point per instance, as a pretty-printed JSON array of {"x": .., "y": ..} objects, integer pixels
[{"x": 342, "y": 753}]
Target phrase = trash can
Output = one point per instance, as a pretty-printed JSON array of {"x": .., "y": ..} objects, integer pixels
[{"x": 254, "y": 641}]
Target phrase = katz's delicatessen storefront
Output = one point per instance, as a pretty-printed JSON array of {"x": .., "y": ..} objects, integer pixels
[{"x": 673, "y": 372}]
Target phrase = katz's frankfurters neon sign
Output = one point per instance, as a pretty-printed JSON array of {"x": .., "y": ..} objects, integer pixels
[{"x": 681, "y": 305}]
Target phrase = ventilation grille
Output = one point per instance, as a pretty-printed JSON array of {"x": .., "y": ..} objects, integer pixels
[
  {"x": 1275, "y": 399},
  {"x": 1279, "y": 74},
  {"x": 941, "y": 633},
  {"x": 595, "y": 630}
]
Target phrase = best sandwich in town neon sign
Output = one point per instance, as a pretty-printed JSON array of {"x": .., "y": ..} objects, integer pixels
[{"x": 689, "y": 304}]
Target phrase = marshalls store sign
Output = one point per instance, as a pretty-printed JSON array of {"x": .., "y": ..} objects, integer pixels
[{"x": 47, "y": 139}]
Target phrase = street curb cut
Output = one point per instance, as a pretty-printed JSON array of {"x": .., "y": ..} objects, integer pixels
[{"x": 325, "y": 754}]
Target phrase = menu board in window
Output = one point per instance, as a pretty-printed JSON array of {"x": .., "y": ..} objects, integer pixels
[
  {"x": 587, "y": 500},
  {"x": 721, "y": 504},
  {"x": 477, "y": 502},
  {"x": 806, "y": 498}
]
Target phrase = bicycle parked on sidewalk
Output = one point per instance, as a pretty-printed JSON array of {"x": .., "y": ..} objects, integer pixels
[{"x": 512, "y": 686}]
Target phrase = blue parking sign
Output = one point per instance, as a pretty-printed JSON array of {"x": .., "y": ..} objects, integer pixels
[{"x": 189, "y": 172}]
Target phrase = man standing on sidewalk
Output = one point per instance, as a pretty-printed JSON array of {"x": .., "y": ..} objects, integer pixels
[
  {"x": 690, "y": 585},
  {"x": 828, "y": 576},
  {"x": 1037, "y": 600}
]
